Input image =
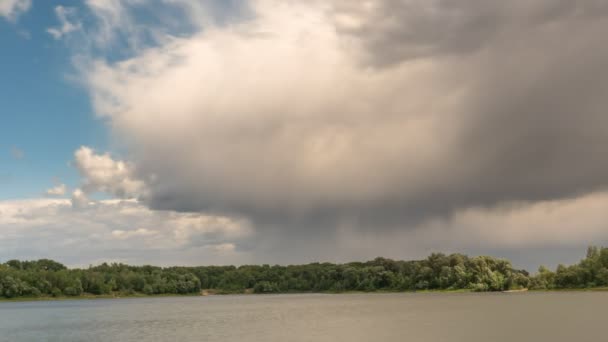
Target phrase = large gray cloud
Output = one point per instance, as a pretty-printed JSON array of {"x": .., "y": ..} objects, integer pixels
[
  {"x": 534, "y": 77},
  {"x": 346, "y": 130},
  {"x": 382, "y": 113},
  {"x": 288, "y": 131},
  {"x": 392, "y": 31}
]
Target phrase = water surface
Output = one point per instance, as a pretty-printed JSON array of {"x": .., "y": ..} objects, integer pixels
[{"x": 554, "y": 317}]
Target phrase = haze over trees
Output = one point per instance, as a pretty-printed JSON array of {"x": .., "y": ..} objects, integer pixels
[{"x": 48, "y": 278}]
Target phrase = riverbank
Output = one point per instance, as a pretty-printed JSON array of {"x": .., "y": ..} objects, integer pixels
[
  {"x": 248, "y": 292},
  {"x": 93, "y": 297}
]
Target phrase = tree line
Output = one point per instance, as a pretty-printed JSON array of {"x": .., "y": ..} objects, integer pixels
[{"x": 48, "y": 278}]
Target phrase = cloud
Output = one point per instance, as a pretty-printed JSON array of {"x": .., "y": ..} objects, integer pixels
[
  {"x": 395, "y": 31},
  {"x": 311, "y": 114},
  {"x": 334, "y": 130},
  {"x": 112, "y": 16},
  {"x": 118, "y": 230},
  {"x": 222, "y": 248},
  {"x": 79, "y": 199},
  {"x": 124, "y": 235},
  {"x": 128, "y": 231},
  {"x": 64, "y": 15},
  {"x": 11, "y": 9},
  {"x": 58, "y": 190},
  {"x": 529, "y": 233},
  {"x": 530, "y": 224},
  {"x": 101, "y": 173}
]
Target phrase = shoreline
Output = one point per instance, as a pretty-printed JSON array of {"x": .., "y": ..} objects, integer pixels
[{"x": 213, "y": 293}]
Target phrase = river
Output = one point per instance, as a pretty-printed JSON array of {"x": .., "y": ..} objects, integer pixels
[{"x": 497, "y": 317}]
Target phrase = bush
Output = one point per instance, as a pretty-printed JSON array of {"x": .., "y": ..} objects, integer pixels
[
  {"x": 72, "y": 291},
  {"x": 266, "y": 287}
]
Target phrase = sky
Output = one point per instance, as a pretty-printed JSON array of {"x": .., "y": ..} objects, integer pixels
[{"x": 199, "y": 132}]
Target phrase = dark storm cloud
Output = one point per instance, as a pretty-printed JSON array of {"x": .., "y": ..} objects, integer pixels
[
  {"x": 396, "y": 30},
  {"x": 535, "y": 124}
]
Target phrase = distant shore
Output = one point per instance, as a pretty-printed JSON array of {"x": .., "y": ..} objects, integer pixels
[
  {"x": 213, "y": 292},
  {"x": 92, "y": 297}
]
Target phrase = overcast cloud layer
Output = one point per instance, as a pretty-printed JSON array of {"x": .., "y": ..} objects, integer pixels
[{"x": 346, "y": 129}]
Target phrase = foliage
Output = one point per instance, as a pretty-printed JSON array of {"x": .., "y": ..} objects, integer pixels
[
  {"x": 589, "y": 273},
  {"x": 49, "y": 278}
]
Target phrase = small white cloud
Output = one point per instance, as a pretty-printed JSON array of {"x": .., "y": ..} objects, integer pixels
[
  {"x": 126, "y": 234},
  {"x": 79, "y": 199},
  {"x": 11, "y": 9},
  {"x": 101, "y": 173},
  {"x": 58, "y": 190},
  {"x": 67, "y": 25}
]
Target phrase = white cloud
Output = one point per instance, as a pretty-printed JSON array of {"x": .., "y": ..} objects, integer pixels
[
  {"x": 101, "y": 173},
  {"x": 68, "y": 24},
  {"x": 116, "y": 21},
  {"x": 112, "y": 16},
  {"x": 124, "y": 234},
  {"x": 121, "y": 230},
  {"x": 11, "y": 9},
  {"x": 79, "y": 199},
  {"x": 58, "y": 190}
]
